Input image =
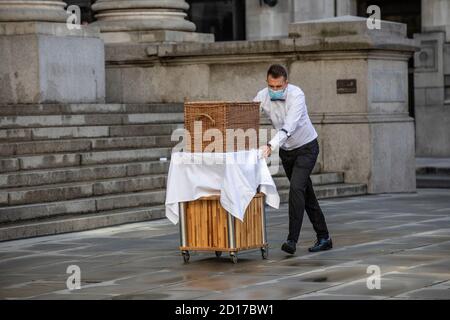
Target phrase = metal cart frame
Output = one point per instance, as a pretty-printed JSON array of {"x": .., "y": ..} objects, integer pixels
[{"x": 231, "y": 248}]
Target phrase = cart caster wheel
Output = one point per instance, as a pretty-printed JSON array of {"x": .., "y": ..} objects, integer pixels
[
  {"x": 218, "y": 254},
  {"x": 264, "y": 252},
  {"x": 233, "y": 257},
  {"x": 186, "y": 256}
]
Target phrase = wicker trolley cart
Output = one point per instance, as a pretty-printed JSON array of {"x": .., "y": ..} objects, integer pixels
[{"x": 206, "y": 226}]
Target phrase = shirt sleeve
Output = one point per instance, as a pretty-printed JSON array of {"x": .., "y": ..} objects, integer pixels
[
  {"x": 296, "y": 108},
  {"x": 258, "y": 98}
]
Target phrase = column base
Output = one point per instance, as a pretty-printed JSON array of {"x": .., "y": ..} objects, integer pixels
[
  {"x": 156, "y": 36},
  {"x": 44, "y": 62}
]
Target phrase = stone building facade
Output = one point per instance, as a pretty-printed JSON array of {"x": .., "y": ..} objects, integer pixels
[
  {"x": 86, "y": 113},
  {"x": 427, "y": 21}
]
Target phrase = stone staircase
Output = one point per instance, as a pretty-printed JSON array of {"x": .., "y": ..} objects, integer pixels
[
  {"x": 433, "y": 172},
  {"x": 74, "y": 167}
]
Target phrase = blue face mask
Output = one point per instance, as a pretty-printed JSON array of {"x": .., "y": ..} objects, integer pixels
[{"x": 276, "y": 95}]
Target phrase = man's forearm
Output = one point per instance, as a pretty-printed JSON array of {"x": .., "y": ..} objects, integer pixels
[{"x": 279, "y": 138}]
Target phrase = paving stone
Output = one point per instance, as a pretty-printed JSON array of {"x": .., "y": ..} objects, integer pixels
[
  {"x": 142, "y": 261},
  {"x": 390, "y": 285}
]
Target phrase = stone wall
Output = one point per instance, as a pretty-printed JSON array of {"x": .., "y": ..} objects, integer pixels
[
  {"x": 42, "y": 60},
  {"x": 432, "y": 81},
  {"x": 367, "y": 134},
  {"x": 47, "y": 63}
]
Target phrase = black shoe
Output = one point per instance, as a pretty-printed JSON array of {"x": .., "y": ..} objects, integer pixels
[
  {"x": 322, "y": 244},
  {"x": 289, "y": 246}
]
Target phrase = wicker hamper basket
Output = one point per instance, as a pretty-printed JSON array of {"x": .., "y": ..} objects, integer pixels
[{"x": 221, "y": 115}]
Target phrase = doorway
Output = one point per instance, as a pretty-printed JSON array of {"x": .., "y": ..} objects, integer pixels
[{"x": 224, "y": 18}]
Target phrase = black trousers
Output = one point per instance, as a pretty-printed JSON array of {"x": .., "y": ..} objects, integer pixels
[{"x": 298, "y": 165}]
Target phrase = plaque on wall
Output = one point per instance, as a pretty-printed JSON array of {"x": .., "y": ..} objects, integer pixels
[{"x": 346, "y": 86}]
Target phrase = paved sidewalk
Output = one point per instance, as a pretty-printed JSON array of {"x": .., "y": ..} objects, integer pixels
[{"x": 406, "y": 235}]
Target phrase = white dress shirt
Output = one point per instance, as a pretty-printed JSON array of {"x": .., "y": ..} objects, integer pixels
[{"x": 289, "y": 117}]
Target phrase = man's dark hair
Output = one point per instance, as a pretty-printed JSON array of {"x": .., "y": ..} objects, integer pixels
[{"x": 276, "y": 71}]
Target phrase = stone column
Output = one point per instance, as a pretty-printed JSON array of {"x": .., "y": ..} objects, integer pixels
[
  {"x": 432, "y": 80},
  {"x": 264, "y": 22},
  {"x": 146, "y": 21},
  {"x": 305, "y": 10},
  {"x": 436, "y": 16},
  {"x": 43, "y": 61},
  {"x": 346, "y": 7},
  {"x": 32, "y": 10}
]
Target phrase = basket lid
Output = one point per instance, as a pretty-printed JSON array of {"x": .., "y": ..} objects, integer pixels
[{"x": 215, "y": 103}]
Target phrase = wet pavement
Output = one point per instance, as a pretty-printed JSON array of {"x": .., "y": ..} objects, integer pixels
[{"x": 407, "y": 236}]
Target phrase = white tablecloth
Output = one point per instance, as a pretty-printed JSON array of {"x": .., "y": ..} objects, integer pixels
[{"x": 235, "y": 176}]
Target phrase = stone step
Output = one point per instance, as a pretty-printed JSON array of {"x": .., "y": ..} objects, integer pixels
[
  {"x": 54, "y": 221},
  {"x": 91, "y": 172},
  {"x": 84, "y": 144},
  {"x": 144, "y": 129},
  {"x": 14, "y": 199},
  {"x": 82, "y": 206},
  {"x": 331, "y": 191},
  {"x": 81, "y": 158},
  {"x": 73, "y": 132},
  {"x": 97, "y": 186},
  {"x": 50, "y": 133},
  {"x": 78, "y": 190},
  {"x": 81, "y": 173},
  {"x": 101, "y": 171},
  {"x": 67, "y": 159},
  {"x": 433, "y": 172},
  {"x": 433, "y": 181},
  {"x": 31, "y": 134},
  {"x": 89, "y": 119},
  {"x": 88, "y": 131},
  {"x": 265, "y": 123},
  {"x": 73, "y": 223},
  {"x": 74, "y": 108},
  {"x": 280, "y": 172},
  {"x": 317, "y": 179},
  {"x": 441, "y": 171}
]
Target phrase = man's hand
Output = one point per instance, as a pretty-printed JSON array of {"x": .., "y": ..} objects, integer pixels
[{"x": 266, "y": 151}]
